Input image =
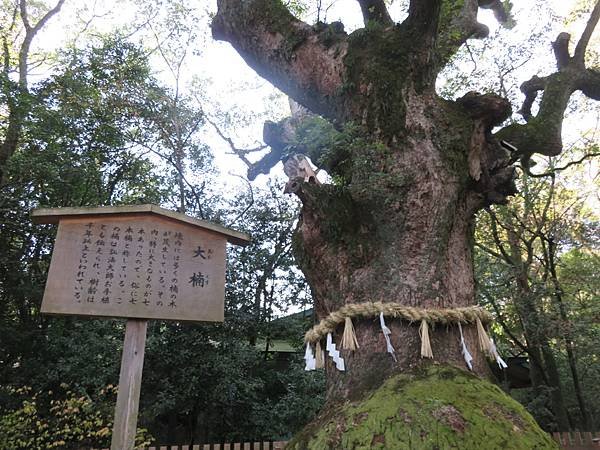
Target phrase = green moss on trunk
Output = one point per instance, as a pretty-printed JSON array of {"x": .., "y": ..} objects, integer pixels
[{"x": 435, "y": 407}]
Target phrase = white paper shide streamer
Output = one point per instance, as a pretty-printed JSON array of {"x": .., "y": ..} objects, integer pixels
[
  {"x": 335, "y": 354},
  {"x": 496, "y": 356},
  {"x": 309, "y": 357},
  {"x": 465, "y": 350},
  {"x": 386, "y": 333}
]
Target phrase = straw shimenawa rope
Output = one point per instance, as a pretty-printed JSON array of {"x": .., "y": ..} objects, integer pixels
[{"x": 445, "y": 316}]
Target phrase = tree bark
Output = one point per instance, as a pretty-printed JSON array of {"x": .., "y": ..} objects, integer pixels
[{"x": 403, "y": 238}]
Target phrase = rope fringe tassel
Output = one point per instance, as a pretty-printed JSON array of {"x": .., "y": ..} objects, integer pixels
[
  {"x": 484, "y": 340},
  {"x": 425, "y": 344},
  {"x": 349, "y": 341},
  {"x": 335, "y": 354},
  {"x": 386, "y": 334},
  {"x": 309, "y": 358},
  {"x": 496, "y": 356}
]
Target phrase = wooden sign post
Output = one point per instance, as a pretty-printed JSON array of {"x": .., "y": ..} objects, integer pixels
[{"x": 135, "y": 262}]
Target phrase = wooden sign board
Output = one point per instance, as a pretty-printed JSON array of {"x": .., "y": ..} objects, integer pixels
[
  {"x": 139, "y": 262},
  {"x": 136, "y": 263}
]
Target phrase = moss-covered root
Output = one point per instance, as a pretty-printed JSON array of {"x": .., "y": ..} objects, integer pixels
[{"x": 435, "y": 407}]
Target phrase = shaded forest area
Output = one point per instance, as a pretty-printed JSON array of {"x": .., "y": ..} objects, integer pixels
[{"x": 103, "y": 126}]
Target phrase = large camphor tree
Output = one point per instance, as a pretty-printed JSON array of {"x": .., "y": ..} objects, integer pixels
[{"x": 410, "y": 171}]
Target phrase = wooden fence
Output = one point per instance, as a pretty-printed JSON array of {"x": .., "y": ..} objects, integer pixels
[
  {"x": 276, "y": 445},
  {"x": 569, "y": 441},
  {"x": 578, "y": 440}
]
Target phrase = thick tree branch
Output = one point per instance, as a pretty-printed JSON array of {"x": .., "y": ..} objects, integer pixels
[
  {"x": 552, "y": 172},
  {"x": 561, "y": 50},
  {"x": 284, "y": 139},
  {"x": 543, "y": 133},
  {"x": 497, "y": 7},
  {"x": 587, "y": 34},
  {"x": 530, "y": 88},
  {"x": 589, "y": 83},
  {"x": 277, "y": 46},
  {"x": 423, "y": 15},
  {"x": 376, "y": 11},
  {"x": 457, "y": 23}
]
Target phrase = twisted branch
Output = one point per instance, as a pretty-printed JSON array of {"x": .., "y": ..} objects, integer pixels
[{"x": 543, "y": 133}]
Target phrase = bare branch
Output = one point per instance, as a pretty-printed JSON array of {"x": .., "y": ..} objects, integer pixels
[
  {"x": 240, "y": 152},
  {"x": 494, "y": 225},
  {"x": 550, "y": 173},
  {"x": 489, "y": 251}
]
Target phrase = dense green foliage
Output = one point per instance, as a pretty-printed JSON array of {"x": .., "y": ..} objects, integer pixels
[
  {"x": 70, "y": 422},
  {"x": 86, "y": 143}
]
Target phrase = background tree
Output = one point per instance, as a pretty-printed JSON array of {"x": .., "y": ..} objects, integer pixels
[
  {"x": 18, "y": 32},
  {"x": 520, "y": 251}
]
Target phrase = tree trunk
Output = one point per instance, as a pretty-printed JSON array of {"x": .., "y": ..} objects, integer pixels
[{"x": 402, "y": 233}]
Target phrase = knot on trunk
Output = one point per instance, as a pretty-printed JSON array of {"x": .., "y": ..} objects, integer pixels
[
  {"x": 489, "y": 159},
  {"x": 489, "y": 108}
]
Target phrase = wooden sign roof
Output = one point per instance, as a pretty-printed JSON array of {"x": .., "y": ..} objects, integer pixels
[
  {"x": 140, "y": 262},
  {"x": 54, "y": 215}
]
